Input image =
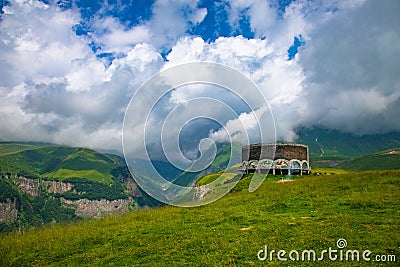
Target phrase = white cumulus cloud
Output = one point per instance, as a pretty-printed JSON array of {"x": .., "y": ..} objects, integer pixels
[{"x": 55, "y": 88}]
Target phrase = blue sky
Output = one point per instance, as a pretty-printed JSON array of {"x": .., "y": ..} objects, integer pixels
[
  {"x": 69, "y": 68},
  {"x": 215, "y": 24}
]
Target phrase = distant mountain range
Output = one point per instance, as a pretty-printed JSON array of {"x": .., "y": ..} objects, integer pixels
[{"x": 325, "y": 143}]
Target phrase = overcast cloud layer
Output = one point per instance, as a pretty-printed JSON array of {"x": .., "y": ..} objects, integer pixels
[{"x": 55, "y": 87}]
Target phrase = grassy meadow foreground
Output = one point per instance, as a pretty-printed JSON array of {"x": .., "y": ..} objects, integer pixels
[{"x": 310, "y": 213}]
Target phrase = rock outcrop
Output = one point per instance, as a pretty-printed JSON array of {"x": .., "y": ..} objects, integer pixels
[
  {"x": 28, "y": 186},
  {"x": 98, "y": 208},
  {"x": 56, "y": 187},
  {"x": 132, "y": 188},
  {"x": 201, "y": 191},
  {"x": 8, "y": 211},
  {"x": 32, "y": 187},
  {"x": 83, "y": 207}
]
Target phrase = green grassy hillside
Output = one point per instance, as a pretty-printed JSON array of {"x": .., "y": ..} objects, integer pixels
[
  {"x": 56, "y": 162},
  {"x": 386, "y": 160},
  {"x": 328, "y": 162},
  {"x": 10, "y": 147},
  {"x": 309, "y": 213}
]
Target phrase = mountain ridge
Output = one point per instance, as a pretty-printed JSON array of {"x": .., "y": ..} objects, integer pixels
[
  {"x": 323, "y": 142},
  {"x": 41, "y": 184}
]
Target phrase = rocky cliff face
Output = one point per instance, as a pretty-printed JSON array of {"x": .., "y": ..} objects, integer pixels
[
  {"x": 132, "y": 188},
  {"x": 99, "y": 208},
  {"x": 201, "y": 191},
  {"x": 8, "y": 211},
  {"x": 28, "y": 186},
  {"x": 83, "y": 207},
  {"x": 32, "y": 187},
  {"x": 56, "y": 187}
]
